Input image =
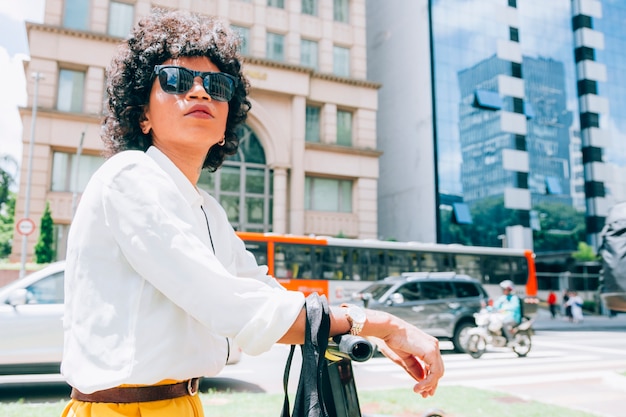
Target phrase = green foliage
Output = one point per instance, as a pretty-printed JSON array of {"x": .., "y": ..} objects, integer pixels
[
  {"x": 44, "y": 249},
  {"x": 7, "y": 207},
  {"x": 489, "y": 220},
  {"x": 7, "y": 223},
  {"x": 585, "y": 253},
  {"x": 451, "y": 400},
  {"x": 562, "y": 228}
]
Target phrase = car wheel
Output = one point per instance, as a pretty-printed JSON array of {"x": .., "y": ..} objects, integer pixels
[{"x": 459, "y": 340}]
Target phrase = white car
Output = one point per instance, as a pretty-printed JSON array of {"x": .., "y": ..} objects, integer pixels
[{"x": 31, "y": 328}]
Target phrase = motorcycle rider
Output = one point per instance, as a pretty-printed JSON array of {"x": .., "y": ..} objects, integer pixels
[{"x": 509, "y": 307}]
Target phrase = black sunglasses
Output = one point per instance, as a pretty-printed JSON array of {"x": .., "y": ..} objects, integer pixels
[{"x": 179, "y": 80}]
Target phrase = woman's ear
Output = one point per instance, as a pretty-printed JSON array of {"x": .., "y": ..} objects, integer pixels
[{"x": 144, "y": 124}]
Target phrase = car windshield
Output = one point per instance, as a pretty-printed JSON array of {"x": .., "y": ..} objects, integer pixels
[{"x": 377, "y": 290}]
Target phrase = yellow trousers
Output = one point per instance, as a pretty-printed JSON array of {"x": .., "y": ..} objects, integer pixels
[{"x": 187, "y": 406}]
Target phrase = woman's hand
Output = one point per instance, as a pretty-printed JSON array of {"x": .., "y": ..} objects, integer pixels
[{"x": 416, "y": 352}]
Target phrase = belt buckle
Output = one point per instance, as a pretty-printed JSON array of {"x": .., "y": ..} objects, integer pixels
[{"x": 192, "y": 386}]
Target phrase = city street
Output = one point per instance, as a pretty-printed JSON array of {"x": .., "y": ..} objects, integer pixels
[{"x": 578, "y": 366}]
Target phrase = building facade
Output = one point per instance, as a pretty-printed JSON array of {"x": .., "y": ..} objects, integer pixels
[
  {"x": 308, "y": 161},
  {"x": 505, "y": 112}
]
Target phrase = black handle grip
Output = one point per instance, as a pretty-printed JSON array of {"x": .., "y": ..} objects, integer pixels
[{"x": 351, "y": 347}]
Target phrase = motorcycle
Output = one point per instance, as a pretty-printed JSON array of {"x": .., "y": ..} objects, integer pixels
[{"x": 488, "y": 334}]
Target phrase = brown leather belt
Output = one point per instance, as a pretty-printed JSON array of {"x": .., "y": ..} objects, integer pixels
[{"x": 140, "y": 394}]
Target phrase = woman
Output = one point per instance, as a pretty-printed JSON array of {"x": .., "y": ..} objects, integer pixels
[{"x": 156, "y": 278}]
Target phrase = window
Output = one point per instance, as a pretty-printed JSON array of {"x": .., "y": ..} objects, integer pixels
[
  {"x": 308, "y": 53},
  {"x": 309, "y": 7},
  {"x": 243, "y": 185},
  {"x": 341, "y": 11},
  {"x": 276, "y": 3},
  {"x": 410, "y": 292},
  {"x": 344, "y": 128},
  {"x": 326, "y": 194},
  {"x": 341, "y": 61},
  {"x": 71, "y": 90},
  {"x": 275, "y": 46},
  {"x": 461, "y": 213},
  {"x": 489, "y": 100},
  {"x": 466, "y": 290},
  {"x": 76, "y": 14},
  {"x": 70, "y": 174},
  {"x": 553, "y": 185},
  {"x": 437, "y": 290},
  {"x": 120, "y": 19},
  {"x": 244, "y": 36},
  {"x": 312, "y": 127},
  {"x": 48, "y": 290}
]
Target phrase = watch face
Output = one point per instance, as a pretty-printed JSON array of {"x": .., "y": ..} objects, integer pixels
[{"x": 356, "y": 313}]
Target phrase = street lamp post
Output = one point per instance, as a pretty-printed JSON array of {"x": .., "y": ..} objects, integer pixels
[{"x": 31, "y": 149}]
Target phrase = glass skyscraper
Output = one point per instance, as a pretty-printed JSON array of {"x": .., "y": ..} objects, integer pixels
[{"x": 525, "y": 100}]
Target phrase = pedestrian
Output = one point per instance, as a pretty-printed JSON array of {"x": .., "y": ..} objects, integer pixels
[
  {"x": 552, "y": 304},
  {"x": 157, "y": 281},
  {"x": 575, "y": 302},
  {"x": 566, "y": 306}
]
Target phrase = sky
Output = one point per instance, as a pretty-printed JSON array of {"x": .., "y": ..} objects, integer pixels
[{"x": 13, "y": 52}]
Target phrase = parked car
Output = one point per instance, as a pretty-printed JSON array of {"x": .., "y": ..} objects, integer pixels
[
  {"x": 31, "y": 328},
  {"x": 440, "y": 303}
]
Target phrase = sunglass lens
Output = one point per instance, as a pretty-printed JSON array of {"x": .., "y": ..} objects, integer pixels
[
  {"x": 219, "y": 86},
  {"x": 175, "y": 80}
]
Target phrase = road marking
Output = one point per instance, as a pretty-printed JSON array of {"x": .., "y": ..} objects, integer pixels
[{"x": 577, "y": 346}]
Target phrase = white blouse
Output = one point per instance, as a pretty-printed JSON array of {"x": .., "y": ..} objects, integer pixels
[{"x": 147, "y": 298}]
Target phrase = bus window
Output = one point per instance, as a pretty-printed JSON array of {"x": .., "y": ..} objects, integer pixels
[
  {"x": 368, "y": 265},
  {"x": 259, "y": 250},
  {"x": 428, "y": 262},
  {"x": 496, "y": 269},
  {"x": 519, "y": 270},
  {"x": 293, "y": 261},
  {"x": 468, "y": 265},
  {"x": 397, "y": 262},
  {"x": 356, "y": 265},
  {"x": 336, "y": 263}
]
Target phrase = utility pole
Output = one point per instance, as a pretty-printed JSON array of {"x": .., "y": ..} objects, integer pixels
[
  {"x": 31, "y": 149},
  {"x": 79, "y": 152}
]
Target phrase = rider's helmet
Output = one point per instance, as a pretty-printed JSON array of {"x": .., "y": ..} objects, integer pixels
[{"x": 507, "y": 284}]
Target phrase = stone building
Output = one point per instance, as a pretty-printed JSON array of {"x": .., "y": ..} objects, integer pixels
[{"x": 308, "y": 162}]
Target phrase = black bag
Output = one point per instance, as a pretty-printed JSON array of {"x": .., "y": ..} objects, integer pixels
[
  {"x": 310, "y": 400},
  {"x": 326, "y": 388}
]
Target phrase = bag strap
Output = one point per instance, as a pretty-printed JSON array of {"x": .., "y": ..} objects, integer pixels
[{"x": 309, "y": 400}]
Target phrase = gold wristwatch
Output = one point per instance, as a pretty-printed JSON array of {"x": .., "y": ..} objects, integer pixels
[{"x": 356, "y": 317}]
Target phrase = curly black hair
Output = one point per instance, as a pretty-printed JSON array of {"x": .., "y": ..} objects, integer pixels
[{"x": 160, "y": 36}]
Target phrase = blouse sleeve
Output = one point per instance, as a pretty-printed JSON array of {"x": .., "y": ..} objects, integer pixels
[{"x": 155, "y": 230}]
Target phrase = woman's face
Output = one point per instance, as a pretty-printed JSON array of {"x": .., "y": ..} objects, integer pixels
[{"x": 187, "y": 122}]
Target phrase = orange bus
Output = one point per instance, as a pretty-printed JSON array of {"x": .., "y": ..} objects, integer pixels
[{"x": 338, "y": 267}]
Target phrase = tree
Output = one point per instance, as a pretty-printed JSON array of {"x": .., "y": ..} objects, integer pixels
[
  {"x": 7, "y": 204},
  {"x": 585, "y": 253},
  {"x": 44, "y": 249},
  {"x": 562, "y": 228}
]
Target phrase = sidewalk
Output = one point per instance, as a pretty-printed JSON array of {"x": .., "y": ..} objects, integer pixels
[{"x": 591, "y": 322}]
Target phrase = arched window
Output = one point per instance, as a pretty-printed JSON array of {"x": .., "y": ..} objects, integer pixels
[{"x": 243, "y": 185}]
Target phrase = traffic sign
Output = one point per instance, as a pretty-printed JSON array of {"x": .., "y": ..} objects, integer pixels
[{"x": 25, "y": 226}]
